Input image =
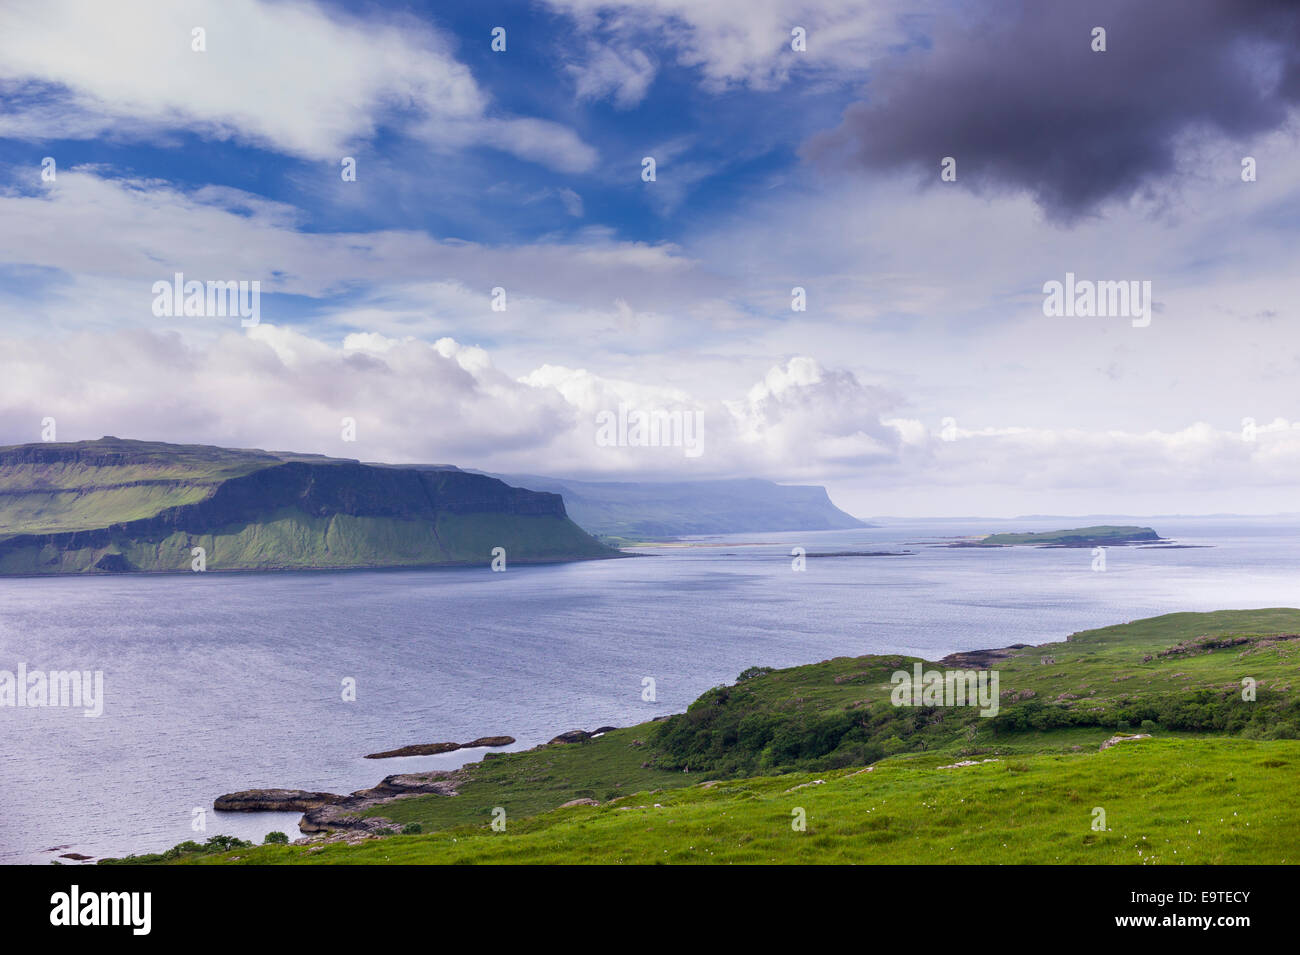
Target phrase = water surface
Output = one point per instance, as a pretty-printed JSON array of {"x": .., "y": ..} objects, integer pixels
[{"x": 215, "y": 683}]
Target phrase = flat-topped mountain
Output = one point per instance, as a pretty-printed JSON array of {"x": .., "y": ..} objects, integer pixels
[
  {"x": 648, "y": 510},
  {"x": 117, "y": 505}
]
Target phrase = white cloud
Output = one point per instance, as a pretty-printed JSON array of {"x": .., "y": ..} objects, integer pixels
[
  {"x": 802, "y": 413},
  {"x": 289, "y": 76},
  {"x": 276, "y": 387},
  {"x": 572, "y": 202},
  {"x": 125, "y": 231},
  {"x": 931, "y": 309},
  {"x": 622, "y": 74},
  {"x": 744, "y": 42},
  {"x": 447, "y": 402}
]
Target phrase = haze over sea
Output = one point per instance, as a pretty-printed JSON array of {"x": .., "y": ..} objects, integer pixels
[{"x": 220, "y": 682}]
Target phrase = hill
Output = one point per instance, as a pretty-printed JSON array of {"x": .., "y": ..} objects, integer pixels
[
  {"x": 117, "y": 505},
  {"x": 1204, "y": 777},
  {"x": 659, "y": 510}
]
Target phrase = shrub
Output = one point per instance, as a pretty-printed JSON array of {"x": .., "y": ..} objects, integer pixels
[{"x": 222, "y": 843}]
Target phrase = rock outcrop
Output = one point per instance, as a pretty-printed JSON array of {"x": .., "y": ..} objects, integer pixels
[
  {"x": 417, "y": 749},
  {"x": 345, "y": 814},
  {"x": 274, "y": 800},
  {"x": 435, "y": 749},
  {"x": 572, "y": 736}
]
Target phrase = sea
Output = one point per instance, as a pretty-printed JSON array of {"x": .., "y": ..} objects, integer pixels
[{"x": 216, "y": 682}]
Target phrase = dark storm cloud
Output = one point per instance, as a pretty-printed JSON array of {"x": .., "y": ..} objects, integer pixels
[{"x": 1017, "y": 95}]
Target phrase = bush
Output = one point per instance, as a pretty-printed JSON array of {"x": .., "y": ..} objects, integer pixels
[
  {"x": 412, "y": 829},
  {"x": 222, "y": 843},
  {"x": 276, "y": 838},
  {"x": 182, "y": 848}
]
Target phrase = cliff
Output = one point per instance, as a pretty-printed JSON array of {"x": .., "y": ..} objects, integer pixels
[
  {"x": 116, "y": 505},
  {"x": 648, "y": 510}
]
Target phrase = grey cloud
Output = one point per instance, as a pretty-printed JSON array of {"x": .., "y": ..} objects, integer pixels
[{"x": 1019, "y": 98}]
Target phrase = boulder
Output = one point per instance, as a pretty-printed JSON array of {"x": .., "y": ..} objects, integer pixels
[{"x": 572, "y": 736}]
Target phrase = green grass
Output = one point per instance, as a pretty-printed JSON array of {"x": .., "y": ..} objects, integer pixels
[
  {"x": 838, "y": 713},
  {"x": 533, "y": 782},
  {"x": 93, "y": 484},
  {"x": 1165, "y": 802},
  {"x": 1213, "y": 785}
]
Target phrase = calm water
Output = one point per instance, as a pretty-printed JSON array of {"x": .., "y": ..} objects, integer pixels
[{"x": 215, "y": 683}]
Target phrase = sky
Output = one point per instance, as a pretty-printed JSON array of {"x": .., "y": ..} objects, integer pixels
[{"x": 838, "y": 271}]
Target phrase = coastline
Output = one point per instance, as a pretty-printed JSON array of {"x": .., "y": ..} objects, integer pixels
[
  {"x": 331, "y": 816},
  {"x": 1057, "y": 710},
  {"x": 351, "y": 568}
]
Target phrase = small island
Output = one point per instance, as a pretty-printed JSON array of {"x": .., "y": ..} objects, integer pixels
[{"x": 1103, "y": 535}]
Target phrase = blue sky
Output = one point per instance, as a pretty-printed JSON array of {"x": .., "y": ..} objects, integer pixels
[
  {"x": 776, "y": 169},
  {"x": 734, "y": 140}
]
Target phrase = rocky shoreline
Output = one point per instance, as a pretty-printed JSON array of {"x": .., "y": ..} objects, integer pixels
[
  {"x": 331, "y": 817},
  {"x": 339, "y": 817}
]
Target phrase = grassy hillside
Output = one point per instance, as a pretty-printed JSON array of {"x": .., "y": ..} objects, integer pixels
[
  {"x": 89, "y": 484},
  {"x": 1177, "y": 678},
  {"x": 113, "y": 505},
  {"x": 1166, "y": 802}
]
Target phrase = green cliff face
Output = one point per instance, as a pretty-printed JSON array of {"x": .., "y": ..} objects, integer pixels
[{"x": 112, "y": 506}]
